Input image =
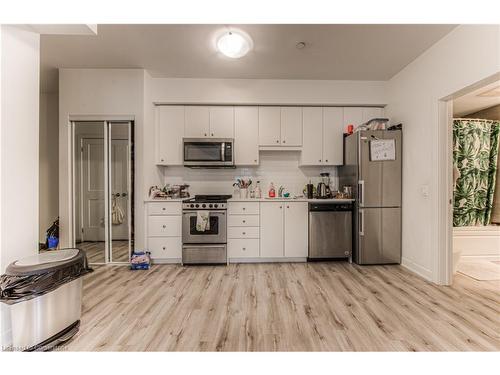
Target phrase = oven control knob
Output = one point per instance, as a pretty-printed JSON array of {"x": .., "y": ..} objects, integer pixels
[
  {"x": 216, "y": 205},
  {"x": 197, "y": 205},
  {"x": 192, "y": 205},
  {"x": 210, "y": 205},
  {"x": 203, "y": 205}
]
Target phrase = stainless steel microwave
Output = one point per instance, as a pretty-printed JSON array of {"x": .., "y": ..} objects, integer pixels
[{"x": 208, "y": 152}]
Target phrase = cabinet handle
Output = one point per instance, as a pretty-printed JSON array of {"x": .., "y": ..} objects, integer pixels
[
  {"x": 281, "y": 207},
  {"x": 284, "y": 141},
  {"x": 164, "y": 226},
  {"x": 205, "y": 134},
  {"x": 326, "y": 160},
  {"x": 244, "y": 221},
  {"x": 164, "y": 248},
  {"x": 212, "y": 134},
  {"x": 163, "y": 208},
  {"x": 287, "y": 206},
  {"x": 162, "y": 160},
  {"x": 255, "y": 161},
  {"x": 244, "y": 233},
  {"x": 277, "y": 141},
  {"x": 244, "y": 248},
  {"x": 243, "y": 208},
  {"x": 319, "y": 160}
]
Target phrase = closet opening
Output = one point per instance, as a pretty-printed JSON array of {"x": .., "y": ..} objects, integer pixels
[{"x": 102, "y": 190}]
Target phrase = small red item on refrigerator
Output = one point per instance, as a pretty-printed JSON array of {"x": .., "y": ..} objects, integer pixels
[{"x": 350, "y": 129}]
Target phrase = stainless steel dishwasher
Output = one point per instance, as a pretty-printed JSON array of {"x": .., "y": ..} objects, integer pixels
[{"x": 330, "y": 230}]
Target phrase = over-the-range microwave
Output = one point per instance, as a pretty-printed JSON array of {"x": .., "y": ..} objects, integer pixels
[{"x": 208, "y": 152}]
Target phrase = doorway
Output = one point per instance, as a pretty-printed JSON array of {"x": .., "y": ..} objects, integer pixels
[{"x": 103, "y": 195}]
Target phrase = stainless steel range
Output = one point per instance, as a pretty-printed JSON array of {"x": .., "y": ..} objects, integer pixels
[{"x": 204, "y": 242}]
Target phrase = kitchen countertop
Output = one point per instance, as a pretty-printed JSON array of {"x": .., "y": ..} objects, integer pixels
[
  {"x": 330, "y": 200},
  {"x": 237, "y": 199}
]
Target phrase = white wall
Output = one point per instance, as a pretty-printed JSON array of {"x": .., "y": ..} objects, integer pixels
[
  {"x": 134, "y": 92},
  {"x": 99, "y": 92},
  {"x": 465, "y": 56},
  {"x": 19, "y": 77},
  {"x": 49, "y": 161}
]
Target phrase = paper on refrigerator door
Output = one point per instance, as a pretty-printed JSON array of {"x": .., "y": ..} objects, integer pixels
[{"x": 382, "y": 149}]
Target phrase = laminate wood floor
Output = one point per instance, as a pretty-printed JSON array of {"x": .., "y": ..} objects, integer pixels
[
  {"x": 95, "y": 251},
  {"x": 284, "y": 307}
]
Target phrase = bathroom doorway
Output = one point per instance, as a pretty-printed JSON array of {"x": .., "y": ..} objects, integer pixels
[
  {"x": 475, "y": 128},
  {"x": 103, "y": 195}
]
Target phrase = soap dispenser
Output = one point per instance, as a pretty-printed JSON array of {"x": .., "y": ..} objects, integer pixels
[{"x": 272, "y": 191}]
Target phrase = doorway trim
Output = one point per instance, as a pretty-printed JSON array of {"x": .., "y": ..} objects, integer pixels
[
  {"x": 106, "y": 122},
  {"x": 444, "y": 258}
]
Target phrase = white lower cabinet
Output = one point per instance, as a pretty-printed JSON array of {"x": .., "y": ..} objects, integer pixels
[
  {"x": 296, "y": 229},
  {"x": 164, "y": 231},
  {"x": 243, "y": 248},
  {"x": 283, "y": 229},
  {"x": 271, "y": 229},
  {"x": 165, "y": 247}
]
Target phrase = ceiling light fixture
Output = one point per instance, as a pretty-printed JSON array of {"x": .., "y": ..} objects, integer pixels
[{"x": 234, "y": 44}]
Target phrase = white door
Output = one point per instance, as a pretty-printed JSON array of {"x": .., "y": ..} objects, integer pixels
[
  {"x": 291, "y": 126},
  {"x": 197, "y": 120},
  {"x": 352, "y": 116},
  {"x": 269, "y": 126},
  {"x": 222, "y": 122},
  {"x": 93, "y": 213},
  {"x": 312, "y": 141},
  {"x": 271, "y": 229},
  {"x": 333, "y": 136},
  {"x": 246, "y": 135},
  {"x": 370, "y": 113},
  {"x": 170, "y": 123},
  {"x": 296, "y": 241},
  {"x": 119, "y": 187}
]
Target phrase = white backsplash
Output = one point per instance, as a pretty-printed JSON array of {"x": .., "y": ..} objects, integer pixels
[{"x": 279, "y": 167}]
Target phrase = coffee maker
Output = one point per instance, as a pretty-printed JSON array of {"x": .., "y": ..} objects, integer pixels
[{"x": 323, "y": 189}]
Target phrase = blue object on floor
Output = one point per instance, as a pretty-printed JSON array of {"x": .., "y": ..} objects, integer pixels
[
  {"x": 140, "y": 260},
  {"x": 53, "y": 242}
]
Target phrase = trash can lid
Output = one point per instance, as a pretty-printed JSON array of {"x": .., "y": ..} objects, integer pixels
[
  {"x": 46, "y": 262},
  {"x": 47, "y": 257}
]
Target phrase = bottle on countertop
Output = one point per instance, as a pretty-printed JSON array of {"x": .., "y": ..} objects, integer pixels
[
  {"x": 257, "y": 191},
  {"x": 272, "y": 191}
]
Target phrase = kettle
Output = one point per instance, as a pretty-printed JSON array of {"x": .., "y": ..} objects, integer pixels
[{"x": 323, "y": 191}]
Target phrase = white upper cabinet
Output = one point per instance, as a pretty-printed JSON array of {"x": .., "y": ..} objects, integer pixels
[
  {"x": 246, "y": 135},
  {"x": 271, "y": 229},
  {"x": 197, "y": 122},
  {"x": 312, "y": 141},
  {"x": 323, "y": 141},
  {"x": 221, "y": 122},
  {"x": 291, "y": 126},
  {"x": 169, "y": 133},
  {"x": 371, "y": 113},
  {"x": 269, "y": 126},
  {"x": 296, "y": 230},
  {"x": 352, "y": 116},
  {"x": 333, "y": 136}
]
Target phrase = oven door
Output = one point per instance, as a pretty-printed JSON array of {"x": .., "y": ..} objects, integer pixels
[
  {"x": 215, "y": 234},
  {"x": 216, "y": 152}
]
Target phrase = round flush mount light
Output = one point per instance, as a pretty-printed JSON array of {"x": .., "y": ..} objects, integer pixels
[{"x": 234, "y": 44}]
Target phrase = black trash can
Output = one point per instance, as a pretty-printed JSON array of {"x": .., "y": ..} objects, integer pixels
[{"x": 43, "y": 294}]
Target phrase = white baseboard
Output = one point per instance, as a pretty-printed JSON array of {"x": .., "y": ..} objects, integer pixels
[
  {"x": 167, "y": 261},
  {"x": 416, "y": 268},
  {"x": 267, "y": 260},
  {"x": 477, "y": 241}
]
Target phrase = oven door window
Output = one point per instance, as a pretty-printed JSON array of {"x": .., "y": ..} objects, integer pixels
[
  {"x": 203, "y": 151},
  {"x": 214, "y": 227}
]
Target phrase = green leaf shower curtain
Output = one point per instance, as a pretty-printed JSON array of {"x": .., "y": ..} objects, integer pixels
[{"x": 475, "y": 154}]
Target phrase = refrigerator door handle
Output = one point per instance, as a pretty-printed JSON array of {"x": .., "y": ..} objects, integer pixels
[
  {"x": 361, "y": 222},
  {"x": 361, "y": 192}
]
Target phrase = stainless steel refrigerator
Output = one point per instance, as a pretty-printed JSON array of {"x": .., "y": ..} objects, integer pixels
[{"x": 372, "y": 166}]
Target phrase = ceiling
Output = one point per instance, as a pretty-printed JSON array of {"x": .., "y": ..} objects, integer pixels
[
  {"x": 338, "y": 52},
  {"x": 477, "y": 100}
]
